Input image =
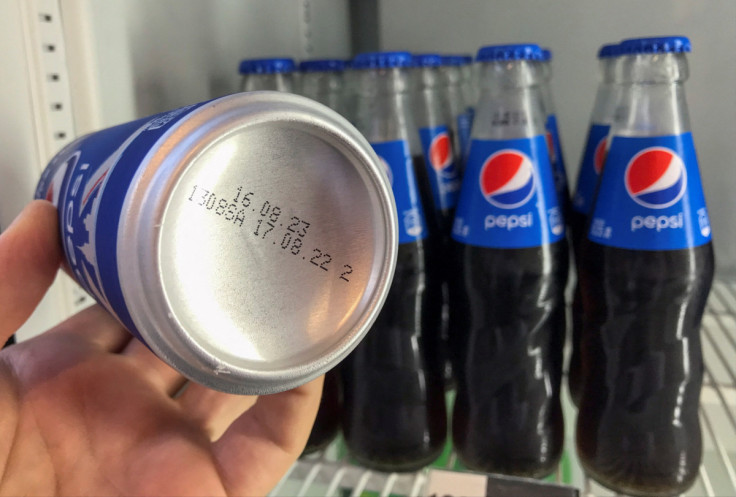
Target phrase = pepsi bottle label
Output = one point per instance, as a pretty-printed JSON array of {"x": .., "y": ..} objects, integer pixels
[
  {"x": 444, "y": 177},
  {"x": 651, "y": 197},
  {"x": 555, "y": 154},
  {"x": 590, "y": 169},
  {"x": 90, "y": 178},
  {"x": 508, "y": 198},
  {"x": 397, "y": 161},
  {"x": 464, "y": 126}
]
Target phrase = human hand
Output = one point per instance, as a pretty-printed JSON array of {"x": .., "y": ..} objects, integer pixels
[{"x": 86, "y": 410}]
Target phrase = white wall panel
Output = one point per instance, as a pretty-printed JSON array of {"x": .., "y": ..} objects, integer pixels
[
  {"x": 184, "y": 51},
  {"x": 574, "y": 30},
  {"x": 20, "y": 155},
  {"x": 99, "y": 62},
  {"x": 33, "y": 79}
]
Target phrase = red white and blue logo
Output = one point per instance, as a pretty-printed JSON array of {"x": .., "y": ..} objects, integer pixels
[
  {"x": 656, "y": 178},
  {"x": 599, "y": 157},
  {"x": 591, "y": 167},
  {"x": 507, "y": 179},
  {"x": 508, "y": 197},
  {"x": 440, "y": 155},
  {"x": 650, "y": 195},
  {"x": 444, "y": 177}
]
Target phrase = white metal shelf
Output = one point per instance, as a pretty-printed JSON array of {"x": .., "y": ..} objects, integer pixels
[{"x": 330, "y": 473}]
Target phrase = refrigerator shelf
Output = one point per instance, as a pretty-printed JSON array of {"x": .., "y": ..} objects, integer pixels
[{"x": 331, "y": 473}]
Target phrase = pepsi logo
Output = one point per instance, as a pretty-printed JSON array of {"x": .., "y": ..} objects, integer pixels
[
  {"x": 656, "y": 178},
  {"x": 387, "y": 169},
  {"x": 507, "y": 179},
  {"x": 440, "y": 153},
  {"x": 599, "y": 156}
]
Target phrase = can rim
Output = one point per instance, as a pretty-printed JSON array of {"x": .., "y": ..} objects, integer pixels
[{"x": 175, "y": 151}]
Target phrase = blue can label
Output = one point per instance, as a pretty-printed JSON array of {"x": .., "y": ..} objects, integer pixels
[
  {"x": 397, "y": 161},
  {"x": 555, "y": 154},
  {"x": 88, "y": 182},
  {"x": 464, "y": 127},
  {"x": 508, "y": 198},
  {"x": 650, "y": 196},
  {"x": 594, "y": 157},
  {"x": 444, "y": 177}
]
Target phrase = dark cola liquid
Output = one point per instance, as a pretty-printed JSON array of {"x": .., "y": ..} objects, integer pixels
[
  {"x": 638, "y": 431},
  {"x": 394, "y": 415},
  {"x": 440, "y": 225},
  {"x": 443, "y": 268},
  {"x": 327, "y": 423},
  {"x": 578, "y": 223},
  {"x": 507, "y": 329}
]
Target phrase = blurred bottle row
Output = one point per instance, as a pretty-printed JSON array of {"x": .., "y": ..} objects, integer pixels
[{"x": 477, "y": 303}]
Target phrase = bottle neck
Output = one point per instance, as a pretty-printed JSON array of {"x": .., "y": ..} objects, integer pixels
[
  {"x": 510, "y": 104},
  {"x": 384, "y": 109},
  {"x": 607, "y": 69},
  {"x": 426, "y": 78},
  {"x": 606, "y": 97},
  {"x": 545, "y": 87},
  {"x": 652, "y": 96},
  {"x": 325, "y": 87},
  {"x": 383, "y": 82},
  {"x": 510, "y": 74},
  {"x": 545, "y": 71},
  {"x": 273, "y": 82},
  {"x": 653, "y": 69},
  {"x": 451, "y": 75},
  {"x": 466, "y": 72},
  {"x": 428, "y": 110},
  {"x": 468, "y": 85}
]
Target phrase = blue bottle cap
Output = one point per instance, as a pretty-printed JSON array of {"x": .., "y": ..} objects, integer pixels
[
  {"x": 456, "y": 60},
  {"x": 426, "y": 60},
  {"x": 521, "y": 51},
  {"x": 319, "y": 65},
  {"x": 609, "y": 50},
  {"x": 658, "y": 44},
  {"x": 546, "y": 55},
  {"x": 266, "y": 66},
  {"x": 382, "y": 60}
]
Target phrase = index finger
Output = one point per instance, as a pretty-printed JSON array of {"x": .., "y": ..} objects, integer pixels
[
  {"x": 261, "y": 445},
  {"x": 30, "y": 254}
]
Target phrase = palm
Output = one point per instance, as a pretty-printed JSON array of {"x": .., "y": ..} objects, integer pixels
[{"x": 85, "y": 410}]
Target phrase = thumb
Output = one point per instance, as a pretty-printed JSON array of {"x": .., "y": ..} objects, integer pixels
[{"x": 30, "y": 253}]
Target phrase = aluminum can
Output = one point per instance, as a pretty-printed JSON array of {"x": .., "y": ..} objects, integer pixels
[{"x": 249, "y": 241}]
